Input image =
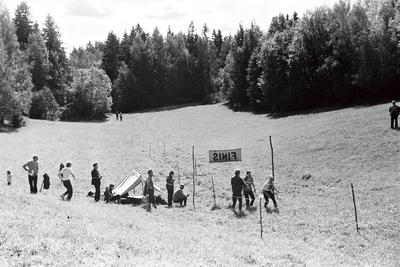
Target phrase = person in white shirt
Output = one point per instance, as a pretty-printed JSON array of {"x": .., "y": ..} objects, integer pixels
[
  {"x": 268, "y": 192},
  {"x": 179, "y": 196},
  {"x": 65, "y": 175}
]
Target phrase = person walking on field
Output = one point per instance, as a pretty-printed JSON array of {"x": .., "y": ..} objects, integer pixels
[
  {"x": 170, "y": 187},
  {"x": 237, "y": 186},
  {"x": 268, "y": 192},
  {"x": 9, "y": 177},
  {"x": 65, "y": 175},
  {"x": 394, "y": 111},
  {"x": 96, "y": 181},
  {"x": 149, "y": 189},
  {"x": 248, "y": 190},
  {"x": 180, "y": 197},
  {"x": 32, "y": 167}
]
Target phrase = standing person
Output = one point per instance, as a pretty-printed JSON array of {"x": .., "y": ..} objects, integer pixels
[
  {"x": 268, "y": 192},
  {"x": 116, "y": 114},
  {"x": 149, "y": 189},
  {"x": 9, "y": 177},
  {"x": 96, "y": 181},
  {"x": 248, "y": 190},
  {"x": 170, "y": 187},
  {"x": 179, "y": 196},
  {"x": 32, "y": 167},
  {"x": 64, "y": 175},
  {"x": 237, "y": 185},
  {"x": 394, "y": 111},
  {"x": 120, "y": 116}
]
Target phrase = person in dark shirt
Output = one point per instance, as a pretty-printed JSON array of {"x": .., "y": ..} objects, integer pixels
[
  {"x": 237, "y": 186},
  {"x": 96, "y": 177},
  {"x": 170, "y": 187},
  {"x": 394, "y": 111},
  {"x": 149, "y": 189},
  {"x": 107, "y": 195}
]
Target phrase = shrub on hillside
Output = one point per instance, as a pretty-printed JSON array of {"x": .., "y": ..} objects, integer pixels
[
  {"x": 207, "y": 100},
  {"x": 211, "y": 99},
  {"x": 17, "y": 120},
  {"x": 44, "y": 106},
  {"x": 90, "y": 95}
]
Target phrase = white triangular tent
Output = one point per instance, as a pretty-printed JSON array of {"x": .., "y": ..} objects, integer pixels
[{"x": 129, "y": 183}]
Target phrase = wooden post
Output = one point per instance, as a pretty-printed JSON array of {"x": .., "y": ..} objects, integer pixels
[
  {"x": 194, "y": 188},
  {"x": 179, "y": 173},
  {"x": 261, "y": 224},
  {"x": 355, "y": 208},
  {"x": 149, "y": 149},
  {"x": 272, "y": 157},
  {"x": 212, "y": 181}
]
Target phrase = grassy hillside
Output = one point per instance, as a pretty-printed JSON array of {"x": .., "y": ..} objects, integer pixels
[{"x": 316, "y": 158}]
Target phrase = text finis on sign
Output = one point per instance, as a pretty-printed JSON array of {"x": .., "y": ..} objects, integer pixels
[{"x": 225, "y": 155}]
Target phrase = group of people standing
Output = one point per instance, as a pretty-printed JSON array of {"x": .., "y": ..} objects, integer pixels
[
  {"x": 238, "y": 184},
  {"x": 118, "y": 115},
  {"x": 177, "y": 196},
  {"x": 247, "y": 186}
]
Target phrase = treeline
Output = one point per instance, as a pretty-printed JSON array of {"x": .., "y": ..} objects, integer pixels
[{"x": 343, "y": 55}]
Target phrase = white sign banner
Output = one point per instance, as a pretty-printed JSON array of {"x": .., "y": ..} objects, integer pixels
[{"x": 225, "y": 155}]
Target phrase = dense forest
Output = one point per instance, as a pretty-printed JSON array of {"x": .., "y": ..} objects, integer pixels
[{"x": 331, "y": 56}]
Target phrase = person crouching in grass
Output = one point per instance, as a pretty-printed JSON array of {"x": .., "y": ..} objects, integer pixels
[{"x": 180, "y": 197}]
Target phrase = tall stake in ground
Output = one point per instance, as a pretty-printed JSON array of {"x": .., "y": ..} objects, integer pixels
[
  {"x": 194, "y": 189},
  {"x": 355, "y": 208},
  {"x": 272, "y": 156},
  {"x": 212, "y": 181},
  {"x": 261, "y": 218}
]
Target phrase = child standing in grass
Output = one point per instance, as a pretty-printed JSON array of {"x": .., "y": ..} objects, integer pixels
[
  {"x": 268, "y": 191},
  {"x": 107, "y": 195},
  {"x": 9, "y": 177}
]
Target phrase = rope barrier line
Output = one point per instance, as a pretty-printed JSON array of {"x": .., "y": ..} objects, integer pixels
[{"x": 188, "y": 156}]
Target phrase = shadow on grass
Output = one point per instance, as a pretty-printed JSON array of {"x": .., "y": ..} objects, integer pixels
[
  {"x": 85, "y": 120},
  {"x": 239, "y": 214},
  {"x": 252, "y": 209},
  {"x": 270, "y": 210},
  {"x": 215, "y": 207},
  {"x": 166, "y": 108},
  {"x": 283, "y": 114}
]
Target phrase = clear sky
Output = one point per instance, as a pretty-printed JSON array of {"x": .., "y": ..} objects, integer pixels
[{"x": 81, "y": 21}]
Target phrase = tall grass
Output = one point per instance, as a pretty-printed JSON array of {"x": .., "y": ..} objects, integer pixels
[{"x": 317, "y": 156}]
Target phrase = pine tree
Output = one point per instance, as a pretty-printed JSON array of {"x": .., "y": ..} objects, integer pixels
[
  {"x": 59, "y": 71},
  {"x": 23, "y": 24},
  {"x": 111, "y": 55},
  {"x": 38, "y": 59}
]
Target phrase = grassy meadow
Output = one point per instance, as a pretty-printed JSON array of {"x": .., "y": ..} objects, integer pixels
[{"x": 317, "y": 156}]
